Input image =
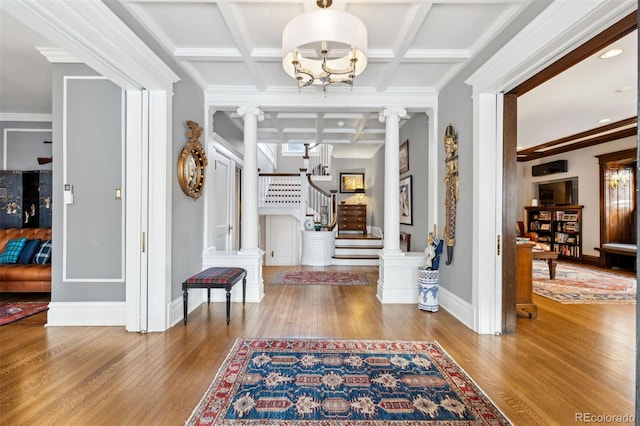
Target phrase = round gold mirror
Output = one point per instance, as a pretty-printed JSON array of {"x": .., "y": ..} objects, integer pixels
[{"x": 192, "y": 163}]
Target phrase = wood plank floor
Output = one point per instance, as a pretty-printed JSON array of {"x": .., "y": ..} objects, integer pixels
[{"x": 571, "y": 359}]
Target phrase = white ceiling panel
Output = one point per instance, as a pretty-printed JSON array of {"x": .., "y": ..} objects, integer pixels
[{"x": 415, "y": 46}]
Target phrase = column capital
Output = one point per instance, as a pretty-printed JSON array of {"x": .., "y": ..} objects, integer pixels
[
  {"x": 398, "y": 112},
  {"x": 254, "y": 110}
]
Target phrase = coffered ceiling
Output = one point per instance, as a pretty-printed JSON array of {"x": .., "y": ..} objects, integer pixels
[{"x": 414, "y": 47}]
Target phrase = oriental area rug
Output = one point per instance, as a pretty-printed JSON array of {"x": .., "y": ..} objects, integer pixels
[
  {"x": 575, "y": 284},
  {"x": 342, "y": 382},
  {"x": 320, "y": 278},
  {"x": 14, "y": 311}
]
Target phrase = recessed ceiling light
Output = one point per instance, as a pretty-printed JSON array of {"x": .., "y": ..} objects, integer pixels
[
  {"x": 611, "y": 53},
  {"x": 604, "y": 120}
]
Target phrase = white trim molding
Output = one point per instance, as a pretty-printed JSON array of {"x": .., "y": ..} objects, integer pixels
[
  {"x": 20, "y": 116},
  {"x": 86, "y": 314},
  {"x": 65, "y": 162},
  {"x": 5, "y": 141},
  {"x": 91, "y": 32}
]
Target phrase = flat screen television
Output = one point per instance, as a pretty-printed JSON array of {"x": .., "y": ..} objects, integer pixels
[{"x": 558, "y": 193}]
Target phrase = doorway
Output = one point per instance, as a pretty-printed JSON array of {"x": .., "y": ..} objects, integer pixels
[{"x": 510, "y": 112}]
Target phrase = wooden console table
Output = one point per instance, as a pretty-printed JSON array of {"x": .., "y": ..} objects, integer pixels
[
  {"x": 524, "y": 281},
  {"x": 552, "y": 260}
]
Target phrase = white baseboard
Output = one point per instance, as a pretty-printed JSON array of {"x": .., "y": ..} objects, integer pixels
[
  {"x": 459, "y": 308},
  {"x": 86, "y": 314},
  {"x": 176, "y": 308}
]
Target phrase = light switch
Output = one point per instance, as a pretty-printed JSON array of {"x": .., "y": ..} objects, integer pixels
[{"x": 118, "y": 193}]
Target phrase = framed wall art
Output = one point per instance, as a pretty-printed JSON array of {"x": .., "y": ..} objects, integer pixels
[
  {"x": 404, "y": 157},
  {"x": 406, "y": 201},
  {"x": 351, "y": 182}
]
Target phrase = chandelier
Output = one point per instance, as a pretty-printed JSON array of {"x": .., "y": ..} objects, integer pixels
[
  {"x": 324, "y": 47},
  {"x": 619, "y": 178}
]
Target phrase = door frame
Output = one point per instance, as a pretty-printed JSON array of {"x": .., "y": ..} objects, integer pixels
[
  {"x": 217, "y": 146},
  {"x": 554, "y": 33}
]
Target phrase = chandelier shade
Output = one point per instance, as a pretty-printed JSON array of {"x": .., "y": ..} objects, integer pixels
[{"x": 324, "y": 47}]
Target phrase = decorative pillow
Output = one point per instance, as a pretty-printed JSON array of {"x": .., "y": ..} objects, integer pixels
[
  {"x": 43, "y": 255},
  {"x": 29, "y": 251},
  {"x": 12, "y": 250}
]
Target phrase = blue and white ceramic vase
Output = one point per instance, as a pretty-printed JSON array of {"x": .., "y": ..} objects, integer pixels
[{"x": 428, "y": 289}]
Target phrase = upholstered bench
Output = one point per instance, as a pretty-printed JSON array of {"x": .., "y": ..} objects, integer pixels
[{"x": 215, "y": 277}]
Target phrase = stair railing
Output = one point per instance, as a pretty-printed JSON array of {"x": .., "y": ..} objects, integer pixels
[
  {"x": 297, "y": 191},
  {"x": 280, "y": 190},
  {"x": 317, "y": 199}
]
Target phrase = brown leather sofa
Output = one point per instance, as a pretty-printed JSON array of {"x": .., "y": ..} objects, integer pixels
[{"x": 20, "y": 277}]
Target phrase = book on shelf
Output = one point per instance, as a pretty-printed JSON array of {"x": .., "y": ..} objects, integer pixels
[
  {"x": 544, "y": 215},
  {"x": 569, "y": 217},
  {"x": 545, "y": 226}
]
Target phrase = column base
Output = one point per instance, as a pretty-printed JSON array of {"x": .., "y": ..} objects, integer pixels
[
  {"x": 398, "y": 278},
  {"x": 252, "y": 262}
]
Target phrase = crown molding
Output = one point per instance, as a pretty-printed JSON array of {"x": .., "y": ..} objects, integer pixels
[
  {"x": 19, "y": 116},
  {"x": 90, "y": 31},
  {"x": 56, "y": 55}
]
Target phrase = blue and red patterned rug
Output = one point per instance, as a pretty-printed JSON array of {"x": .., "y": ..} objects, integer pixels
[
  {"x": 342, "y": 382},
  {"x": 15, "y": 311},
  {"x": 575, "y": 284},
  {"x": 320, "y": 278}
]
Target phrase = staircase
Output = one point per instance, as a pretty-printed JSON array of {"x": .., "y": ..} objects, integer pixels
[
  {"x": 352, "y": 249},
  {"x": 296, "y": 195}
]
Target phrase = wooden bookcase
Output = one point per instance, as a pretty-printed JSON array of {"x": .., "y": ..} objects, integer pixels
[{"x": 558, "y": 226}]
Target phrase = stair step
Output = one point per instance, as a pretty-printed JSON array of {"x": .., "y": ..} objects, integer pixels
[
  {"x": 343, "y": 236},
  {"x": 355, "y": 256},
  {"x": 360, "y": 247}
]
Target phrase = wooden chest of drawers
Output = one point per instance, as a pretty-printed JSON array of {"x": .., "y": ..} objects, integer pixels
[{"x": 352, "y": 217}]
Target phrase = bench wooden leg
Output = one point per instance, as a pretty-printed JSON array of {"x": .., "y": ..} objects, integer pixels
[
  {"x": 208, "y": 295},
  {"x": 228, "y": 304},
  {"x": 185, "y": 302},
  {"x": 244, "y": 290}
]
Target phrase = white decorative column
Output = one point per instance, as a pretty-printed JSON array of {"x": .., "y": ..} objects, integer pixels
[
  {"x": 251, "y": 116},
  {"x": 391, "y": 117},
  {"x": 249, "y": 256},
  {"x": 398, "y": 278}
]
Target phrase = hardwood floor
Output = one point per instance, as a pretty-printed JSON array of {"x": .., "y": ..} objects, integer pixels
[{"x": 572, "y": 359}]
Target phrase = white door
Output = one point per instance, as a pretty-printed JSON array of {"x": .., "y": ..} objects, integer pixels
[
  {"x": 282, "y": 240},
  {"x": 221, "y": 208}
]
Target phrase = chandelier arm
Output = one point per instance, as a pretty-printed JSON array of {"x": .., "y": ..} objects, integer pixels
[{"x": 302, "y": 81}]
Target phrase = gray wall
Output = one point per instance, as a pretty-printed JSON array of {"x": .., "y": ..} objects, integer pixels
[
  {"x": 455, "y": 106},
  {"x": 187, "y": 217},
  {"x": 376, "y": 193},
  {"x": 416, "y": 131},
  {"x": 94, "y": 127},
  {"x": 229, "y": 132},
  {"x": 24, "y": 146}
]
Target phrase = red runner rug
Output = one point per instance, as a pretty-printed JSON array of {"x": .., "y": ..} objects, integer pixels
[
  {"x": 14, "y": 311},
  {"x": 342, "y": 382},
  {"x": 575, "y": 284},
  {"x": 320, "y": 278}
]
